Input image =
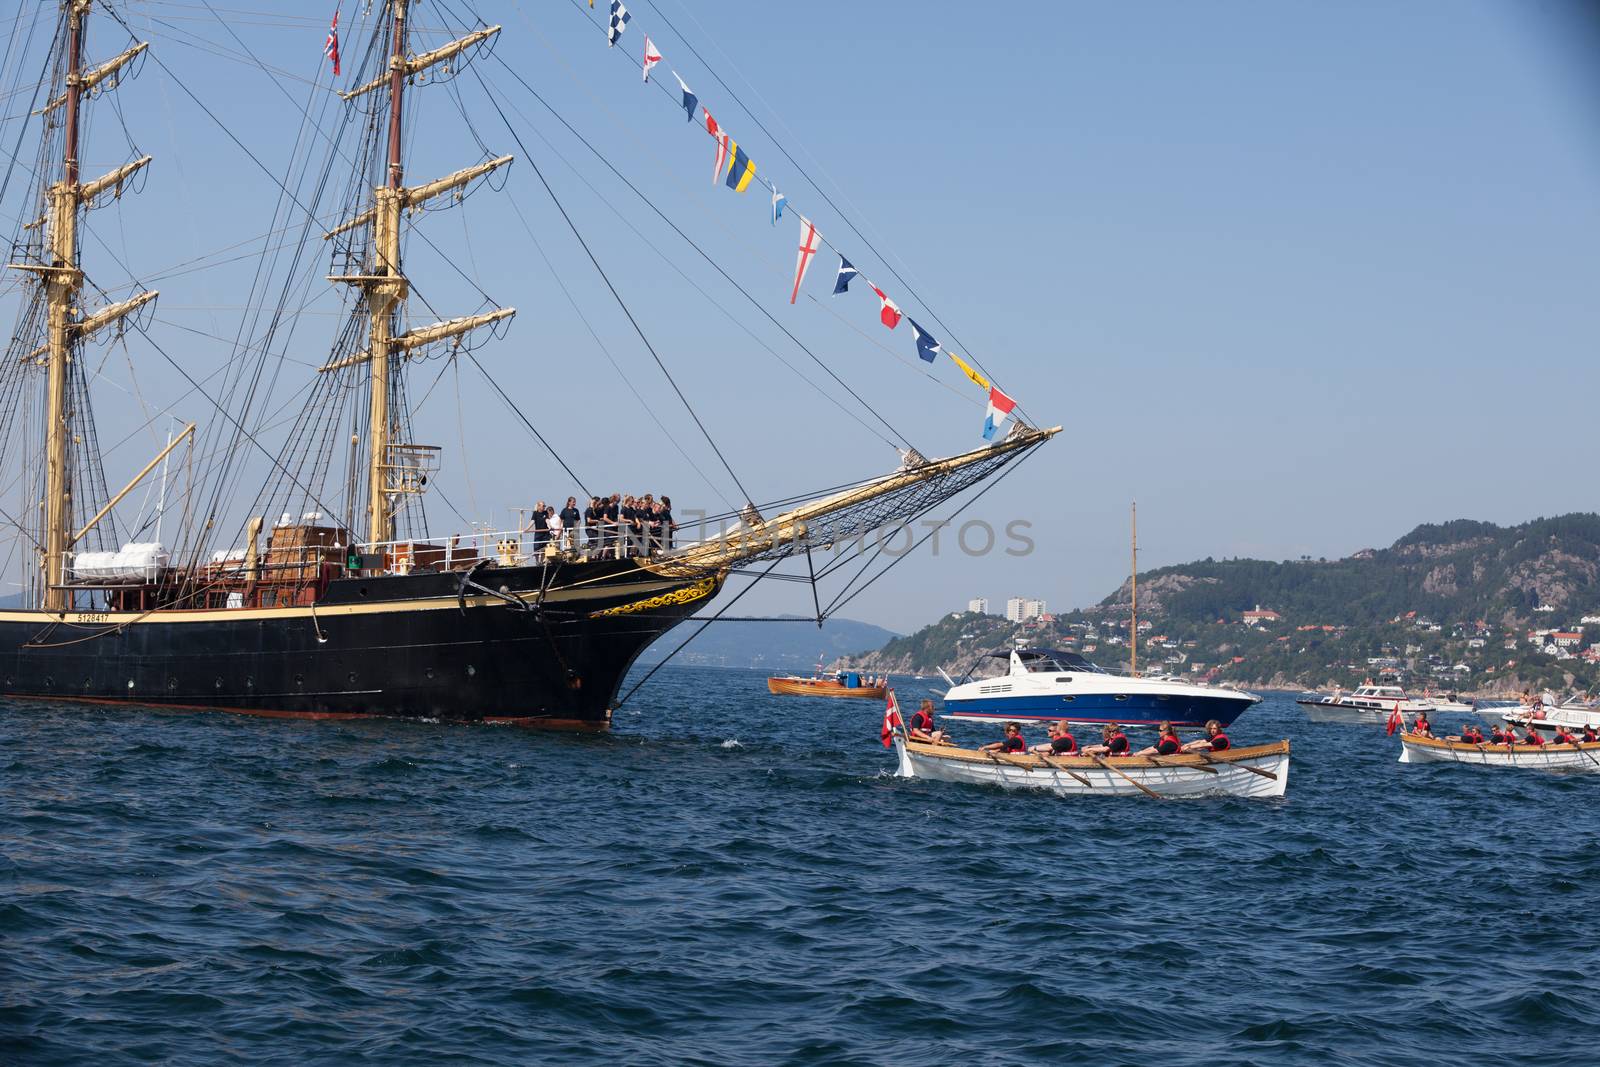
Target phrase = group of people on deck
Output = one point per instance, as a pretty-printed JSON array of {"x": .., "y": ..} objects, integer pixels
[
  {"x": 1471, "y": 734},
  {"x": 1113, "y": 742},
  {"x": 613, "y": 527}
]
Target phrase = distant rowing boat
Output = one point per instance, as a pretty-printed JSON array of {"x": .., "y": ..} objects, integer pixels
[
  {"x": 1247, "y": 771},
  {"x": 1414, "y": 748},
  {"x": 849, "y": 685}
]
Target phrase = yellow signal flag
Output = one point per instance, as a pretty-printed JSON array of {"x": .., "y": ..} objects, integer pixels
[{"x": 977, "y": 378}]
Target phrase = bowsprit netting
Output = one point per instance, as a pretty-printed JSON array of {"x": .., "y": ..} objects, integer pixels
[{"x": 852, "y": 513}]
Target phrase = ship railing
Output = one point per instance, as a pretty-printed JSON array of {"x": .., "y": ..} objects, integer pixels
[{"x": 507, "y": 548}]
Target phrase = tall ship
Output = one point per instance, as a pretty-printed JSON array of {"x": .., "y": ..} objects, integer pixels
[{"x": 329, "y": 591}]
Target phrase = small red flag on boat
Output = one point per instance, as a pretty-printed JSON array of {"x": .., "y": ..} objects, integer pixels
[
  {"x": 891, "y": 721},
  {"x": 1396, "y": 720},
  {"x": 330, "y": 47}
]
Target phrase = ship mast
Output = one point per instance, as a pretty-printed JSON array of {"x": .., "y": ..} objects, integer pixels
[
  {"x": 1133, "y": 624},
  {"x": 63, "y": 279},
  {"x": 388, "y": 472}
]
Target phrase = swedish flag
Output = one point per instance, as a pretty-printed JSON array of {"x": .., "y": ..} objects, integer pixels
[{"x": 741, "y": 169}]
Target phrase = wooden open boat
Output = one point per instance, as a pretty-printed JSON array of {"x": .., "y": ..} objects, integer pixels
[
  {"x": 1414, "y": 748},
  {"x": 823, "y": 687},
  {"x": 1247, "y": 771}
]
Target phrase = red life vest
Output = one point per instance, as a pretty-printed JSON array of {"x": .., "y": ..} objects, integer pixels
[
  {"x": 1533, "y": 738},
  {"x": 1564, "y": 738},
  {"x": 1117, "y": 744},
  {"x": 1072, "y": 745},
  {"x": 922, "y": 721},
  {"x": 1219, "y": 742},
  {"x": 1169, "y": 745},
  {"x": 1013, "y": 744},
  {"x": 1589, "y": 735}
]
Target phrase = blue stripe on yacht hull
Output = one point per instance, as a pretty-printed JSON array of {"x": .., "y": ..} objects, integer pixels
[{"x": 1096, "y": 708}]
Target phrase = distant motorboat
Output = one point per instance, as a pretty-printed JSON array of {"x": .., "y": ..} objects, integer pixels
[
  {"x": 1373, "y": 704},
  {"x": 1045, "y": 685}
]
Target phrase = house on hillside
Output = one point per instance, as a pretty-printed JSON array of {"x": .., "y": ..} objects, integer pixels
[
  {"x": 1260, "y": 616},
  {"x": 1566, "y": 638}
]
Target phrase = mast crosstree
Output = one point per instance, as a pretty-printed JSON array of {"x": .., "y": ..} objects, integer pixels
[
  {"x": 62, "y": 278},
  {"x": 385, "y": 286}
]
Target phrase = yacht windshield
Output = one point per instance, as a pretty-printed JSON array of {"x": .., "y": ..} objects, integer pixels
[{"x": 1050, "y": 661}]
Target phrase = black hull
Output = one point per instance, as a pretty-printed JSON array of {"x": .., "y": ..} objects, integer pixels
[{"x": 416, "y": 646}]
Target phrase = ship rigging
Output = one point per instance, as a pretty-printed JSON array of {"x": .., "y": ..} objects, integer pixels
[{"x": 331, "y": 594}]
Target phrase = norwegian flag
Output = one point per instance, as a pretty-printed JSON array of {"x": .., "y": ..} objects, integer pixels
[
  {"x": 651, "y": 57},
  {"x": 890, "y": 314},
  {"x": 1396, "y": 720},
  {"x": 891, "y": 721},
  {"x": 330, "y": 47}
]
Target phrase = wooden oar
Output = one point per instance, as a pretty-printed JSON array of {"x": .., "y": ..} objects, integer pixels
[
  {"x": 1242, "y": 766},
  {"x": 1006, "y": 762},
  {"x": 1117, "y": 770},
  {"x": 1087, "y": 784}
]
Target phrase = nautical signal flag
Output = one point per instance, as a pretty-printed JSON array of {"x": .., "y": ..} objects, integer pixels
[
  {"x": 619, "y": 22},
  {"x": 810, "y": 242},
  {"x": 651, "y": 56},
  {"x": 977, "y": 379},
  {"x": 721, "y": 137},
  {"x": 847, "y": 274},
  {"x": 927, "y": 347},
  {"x": 689, "y": 99},
  {"x": 330, "y": 47},
  {"x": 740, "y": 170},
  {"x": 889, "y": 315},
  {"x": 891, "y": 721},
  {"x": 779, "y": 202},
  {"x": 1000, "y": 407}
]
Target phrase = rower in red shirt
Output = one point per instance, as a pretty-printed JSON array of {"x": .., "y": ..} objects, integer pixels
[
  {"x": 1564, "y": 736},
  {"x": 1589, "y": 736},
  {"x": 1497, "y": 736},
  {"x": 1531, "y": 736},
  {"x": 1167, "y": 743}
]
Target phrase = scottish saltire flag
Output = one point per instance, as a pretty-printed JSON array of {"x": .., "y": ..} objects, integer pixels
[
  {"x": 1000, "y": 407},
  {"x": 847, "y": 274},
  {"x": 740, "y": 170},
  {"x": 810, "y": 242},
  {"x": 778, "y": 202},
  {"x": 889, "y": 314},
  {"x": 330, "y": 47},
  {"x": 977, "y": 379},
  {"x": 619, "y": 21},
  {"x": 927, "y": 347},
  {"x": 689, "y": 99},
  {"x": 651, "y": 56}
]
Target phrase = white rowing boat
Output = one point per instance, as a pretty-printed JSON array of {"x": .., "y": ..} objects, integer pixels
[
  {"x": 1415, "y": 748},
  {"x": 1247, "y": 771}
]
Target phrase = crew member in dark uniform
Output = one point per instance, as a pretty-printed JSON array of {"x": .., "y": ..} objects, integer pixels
[
  {"x": 614, "y": 527},
  {"x": 539, "y": 523},
  {"x": 591, "y": 527},
  {"x": 569, "y": 524},
  {"x": 667, "y": 526}
]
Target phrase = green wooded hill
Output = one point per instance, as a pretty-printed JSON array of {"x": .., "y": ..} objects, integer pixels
[
  {"x": 1453, "y": 572},
  {"x": 1448, "y": 606}
]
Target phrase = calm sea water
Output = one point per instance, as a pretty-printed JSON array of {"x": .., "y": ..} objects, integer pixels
[{"x": 733, "y": 878}]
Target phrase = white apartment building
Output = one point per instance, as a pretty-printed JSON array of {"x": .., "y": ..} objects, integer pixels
[
  {"x": 979, "y": 605},
  {"x": 1021, "y": 609}
]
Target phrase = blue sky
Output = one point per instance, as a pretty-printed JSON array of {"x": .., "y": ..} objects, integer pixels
[{"x": 1295, "y": 276}]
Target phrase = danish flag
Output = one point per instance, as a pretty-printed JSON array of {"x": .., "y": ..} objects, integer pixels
[
  {"x": 891, "y": 720},
  {"x": 1396, "y": 720},
  {"x": 330, "y": 47}
]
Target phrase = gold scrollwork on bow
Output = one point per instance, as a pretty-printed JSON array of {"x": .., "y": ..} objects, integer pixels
[{"x": 703, "y": 588}]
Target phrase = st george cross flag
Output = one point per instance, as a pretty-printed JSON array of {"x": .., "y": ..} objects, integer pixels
[
  {"x": 619, "y": 22},
  {"x": 927, "y": 347},
  {"x": 689, "y": 99},
  {"x": 847, "y": 274},
  {"x": 890, "y": 313},
  {"x": 810, "y": 241},
  {"x": 779, "y": 201},
  {"x": 651, "y": 56},
  {"x": 977, "y": 379},
  {"x": 891, "y": 721},
  {"x": 741, "y": 170},
  {"x": 330, "y": 47},
  {"x": 1000, "y": 407}
]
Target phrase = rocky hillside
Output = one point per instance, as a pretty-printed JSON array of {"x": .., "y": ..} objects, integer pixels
[{"x": 1461, "y": 605}]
